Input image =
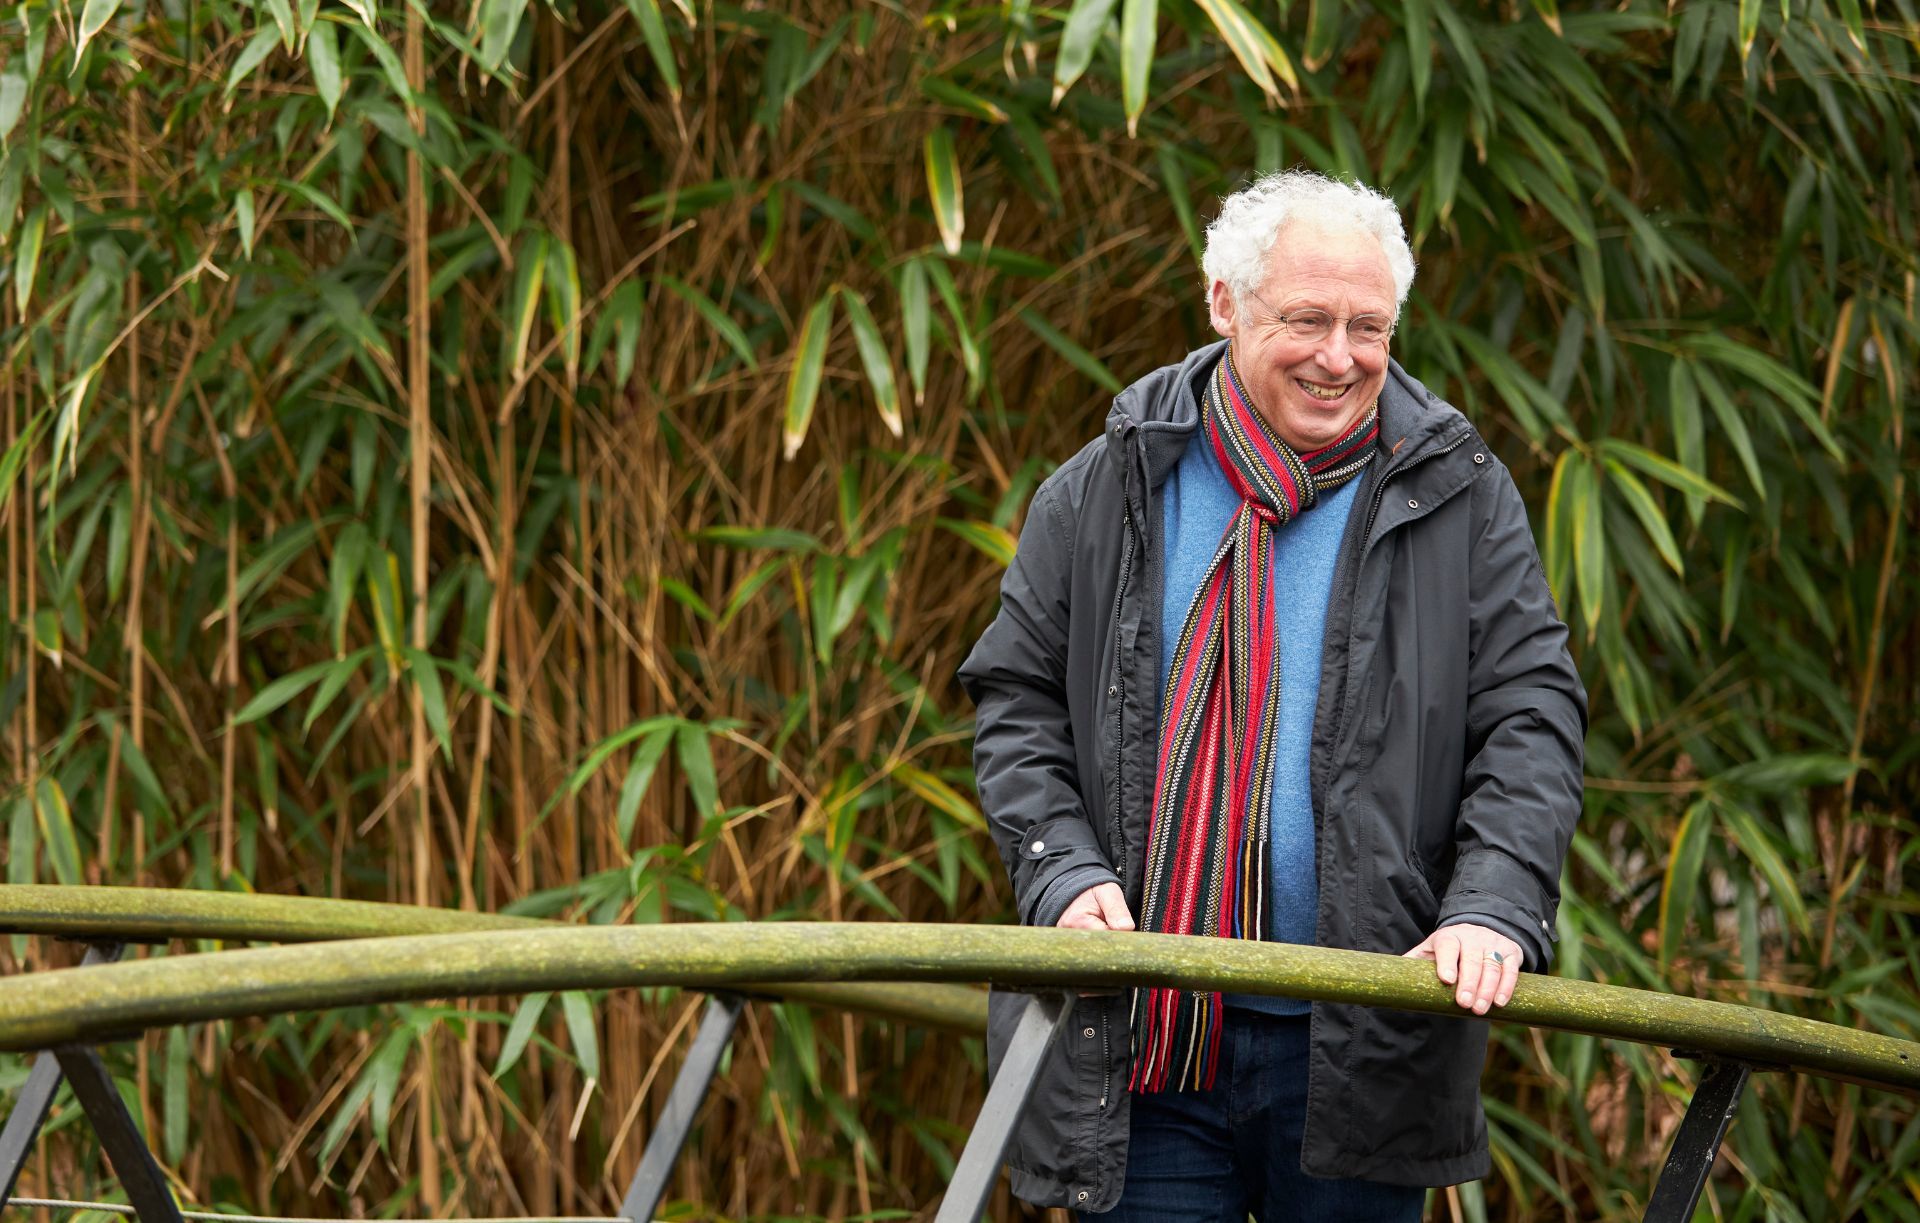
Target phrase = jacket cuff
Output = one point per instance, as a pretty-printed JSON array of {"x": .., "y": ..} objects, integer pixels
[
  {"x": 1052, "y": 855},
  {"x": 1489, "y": 883},
  {"x": 1528, "y": 940},
  {"x": 1065, "y": 887}
]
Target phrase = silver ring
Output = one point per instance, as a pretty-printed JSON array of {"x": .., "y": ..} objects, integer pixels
[{"x": 1496, "y": 957}]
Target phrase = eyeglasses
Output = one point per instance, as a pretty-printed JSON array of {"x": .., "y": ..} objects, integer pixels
[{"x": 1313, "y": 326}]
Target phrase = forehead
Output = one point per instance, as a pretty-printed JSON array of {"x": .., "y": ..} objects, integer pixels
[{"x": 1309, "y": 260}]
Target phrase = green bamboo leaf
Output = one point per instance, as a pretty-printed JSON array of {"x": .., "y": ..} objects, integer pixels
[
  {"x": 940, "y": 796},
  {"x": 173, "y": 1095},
  {"x": 530, "y": 270},
  {"x": 1323, "y": 26},
  {"x": 875, "y": 358},
  {"x": 526, "y": 1018},
  {"x": 323, "y": 60},
  {"x": 646, "y": 759},
  {"x": 384, "y": 1074},
  {"x": 282, "y": 14},
  {"x": 653, "y": 31},
  {"x": 279, "y": 692},
  {"x": 433, "y": 697},
  {"x": 716, "y": 318},
  {"x": 349, "y": 558},
  {"x": 1079, "y": 37},
  {"x": 1419, "y": 31},
  {"x": 780, "y": 539},
  {"x": 916, "y": 324},
  {"x": 1733, "y": 426},
  {"x": 1549, "y": 12},
  {"x": 1251, "y": 44},
  {"x": 1641, "y": 501},
  {"x": 578, "y": 1012},
  {"x": 15, "y": 88},
  {"x": 326, "y": 204},
  {"x": 946, "y": 93},
  {"x": 1758, "y": 849},
  {"x": 55, "y": 818},
  {"x": 695, "y": 754},
  {"x": 243, "y": 219},
  {"x": 93, "y": 19},
  {"x": 1139, "y": 31},
  {"x": 1075, "y": 355},
  {"x": 1856, "y": 24},
  {"x": 1174, "y": 176},
  {"x": 945, "y": 188},
  {"x": 1668, "y": 472},
  {"x": 993, "y": 541},
  {"x": 1683, "y": 878},
  {"x": 563, "y": 304},
  {"x": 26, "y": 258},
  {"x": 1588, "y": 541},
  {"x": 803, "y": 380},
  {"x": 499, "y": 21},
  {"x": 339, "y": 673},
  {"x": 1749, "y": 26},
  {"x": 383, "y": 54},
  {"x": 265, "y": 39}
]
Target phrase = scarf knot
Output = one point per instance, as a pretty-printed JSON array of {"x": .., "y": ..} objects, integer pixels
[{"x": 1207, "y": 838}]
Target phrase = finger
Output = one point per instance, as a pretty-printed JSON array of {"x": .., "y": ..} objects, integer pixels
[
  {"x": 1422, "y": 952},
  {"x": 1082, "y": 914},
  {"x": 1467, "y": 983},
  {"x": 1446, "y": 956},
  {"x": 1113, "y": 906},
  {"x": 1509, "y": 977},
  {"x": 1490, "y": 974}
]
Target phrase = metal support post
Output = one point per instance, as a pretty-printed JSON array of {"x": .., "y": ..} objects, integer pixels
[
  {"x": 126, "y": 1149},
  {"x": 1690, "y": 1159},
  {"x": 974, "y": 1176},
  {"x": 35, "y": 1100},
  {"x": 710, "y": 1043}
]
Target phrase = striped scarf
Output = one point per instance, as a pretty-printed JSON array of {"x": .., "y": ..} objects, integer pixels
[{"x": 1206, "y": 869}]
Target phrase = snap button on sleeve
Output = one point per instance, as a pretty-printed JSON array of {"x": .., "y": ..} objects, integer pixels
[
  {"x": 1412, "y": 504},
  {"x": 1479, "y": 458},
  {"x": 1039, "y": 847}
]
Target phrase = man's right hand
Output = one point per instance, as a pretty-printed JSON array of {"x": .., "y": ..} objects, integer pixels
[{"x": 1103, "y": 907}]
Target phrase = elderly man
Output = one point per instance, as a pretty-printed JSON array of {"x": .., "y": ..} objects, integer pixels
[{"x": 1276, "y": 660}]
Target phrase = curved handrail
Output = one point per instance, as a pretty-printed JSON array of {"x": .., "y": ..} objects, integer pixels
[
  {"x": 90, "y": 1005},
  {"x": 144, "y": 915}
]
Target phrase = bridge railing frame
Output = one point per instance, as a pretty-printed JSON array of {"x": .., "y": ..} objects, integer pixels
[{"x": 1732, "y": 1042}]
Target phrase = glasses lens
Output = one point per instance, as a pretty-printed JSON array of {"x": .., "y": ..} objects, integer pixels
[
  {"x": 1309, "y": 324},
  {"x": 1369, "y": 329}
]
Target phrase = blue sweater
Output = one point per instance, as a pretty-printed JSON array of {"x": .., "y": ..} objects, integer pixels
[{"x": 1197, "y": 503}]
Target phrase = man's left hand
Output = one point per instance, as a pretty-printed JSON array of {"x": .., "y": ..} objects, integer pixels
[{"x": 1464, "y": 955}]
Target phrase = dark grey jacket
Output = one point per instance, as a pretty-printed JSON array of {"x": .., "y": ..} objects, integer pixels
[{"x": 1446, "y": 764}]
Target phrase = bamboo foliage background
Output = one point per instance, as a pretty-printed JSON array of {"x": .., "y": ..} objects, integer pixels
[{"x": 552, "y": 457}]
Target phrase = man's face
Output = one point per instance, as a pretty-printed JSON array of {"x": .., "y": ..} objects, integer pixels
[{"x": 1310, "y": 392}]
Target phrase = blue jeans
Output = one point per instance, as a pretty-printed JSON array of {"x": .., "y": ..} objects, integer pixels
[{"x": 1217, "y": 1156}]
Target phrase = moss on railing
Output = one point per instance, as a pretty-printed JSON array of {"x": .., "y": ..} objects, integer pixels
[
  {"x": 148, "y": 915},
  {"x": 94, "y": 1004}
]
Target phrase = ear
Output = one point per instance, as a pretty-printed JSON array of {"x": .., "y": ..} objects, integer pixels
[{"x": 1220, "y": 309}]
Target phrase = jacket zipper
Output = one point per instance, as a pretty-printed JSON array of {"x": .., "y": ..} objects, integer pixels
[
  {"x": 1380, "y": 493},
  {"x": 1118, "y": 836}
]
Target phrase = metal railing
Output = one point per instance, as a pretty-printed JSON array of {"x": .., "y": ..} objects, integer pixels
[{"x": 395, "y": 953}]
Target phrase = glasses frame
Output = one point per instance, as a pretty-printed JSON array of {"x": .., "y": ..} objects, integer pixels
[{"x": 1286, "y": 320}]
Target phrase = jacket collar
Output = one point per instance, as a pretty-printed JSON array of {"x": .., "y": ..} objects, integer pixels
[{"x": 1151, "y": 421}]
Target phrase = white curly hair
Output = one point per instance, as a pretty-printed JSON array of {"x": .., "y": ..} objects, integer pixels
[{"x": 1241, "y": 237}]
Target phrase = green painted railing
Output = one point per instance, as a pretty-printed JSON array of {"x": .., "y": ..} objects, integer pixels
[{"x": 91, "y": 1005}]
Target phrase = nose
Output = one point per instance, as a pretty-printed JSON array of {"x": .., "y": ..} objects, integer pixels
[{"x": 1335, "y": 353}]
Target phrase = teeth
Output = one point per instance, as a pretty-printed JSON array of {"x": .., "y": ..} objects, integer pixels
[{"x": 1322, "y": 392}]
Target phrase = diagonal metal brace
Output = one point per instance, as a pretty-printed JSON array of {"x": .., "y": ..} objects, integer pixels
[
  {"x": 710, "y": 1043},
  {"x": 1039, "y": 1026},
  {"x": 1697, "y": 1143},
  {"x": 35, "y": 1100},
  {"x": 126, "y": 1149}
]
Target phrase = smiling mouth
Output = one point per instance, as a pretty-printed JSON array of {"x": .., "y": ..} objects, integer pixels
[{"x": 1325, "y": 394}]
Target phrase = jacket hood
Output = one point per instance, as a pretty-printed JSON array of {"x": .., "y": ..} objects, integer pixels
[{"x": 1162, "y": 411}]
